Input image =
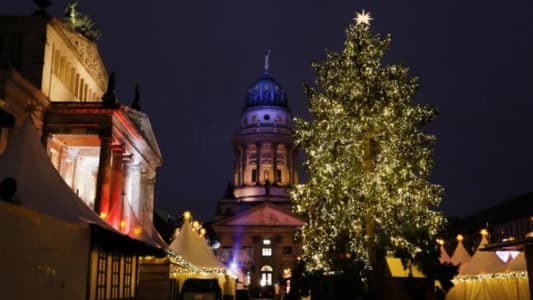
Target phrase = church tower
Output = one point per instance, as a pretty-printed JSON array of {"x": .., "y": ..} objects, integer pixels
[
  {"x": 254, "y": 223},
  {"x": 263, "y": 148}
]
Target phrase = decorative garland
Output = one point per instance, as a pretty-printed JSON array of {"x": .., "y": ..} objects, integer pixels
[
  {"x": 187, "y": 266},
  {"x": 481, "y": 277}
]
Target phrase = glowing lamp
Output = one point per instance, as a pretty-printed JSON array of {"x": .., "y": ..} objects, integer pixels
[
  {"x": 137, "y": 230},
  {"x": 484, "y": 232},
  {"x": 202, "y": 232},
  {"x": 460, "y": 237},
  {"x": 233, "y": 266},
  {"x": 103, "y": 215},
  {"x": 122, "y": 224},
  {"x": 187, "y": 215},
  {"x": 195, "y": 224},
  {"x": 440, "y": 242}
]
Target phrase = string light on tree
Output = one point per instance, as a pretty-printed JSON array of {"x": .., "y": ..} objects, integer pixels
[{"x": 368, "y": 160}]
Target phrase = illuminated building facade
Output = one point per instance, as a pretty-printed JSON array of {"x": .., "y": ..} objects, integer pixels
[
  {"x": 105, "y": 152},
  {"x": 254, "y": 220}
]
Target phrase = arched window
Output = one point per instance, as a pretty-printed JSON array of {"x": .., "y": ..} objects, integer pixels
[{"x": 266, "y": 275}]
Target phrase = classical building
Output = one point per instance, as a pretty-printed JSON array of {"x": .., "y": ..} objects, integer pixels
[
  {"x": 74, "y": 160},
  {"x": 254, "y": 221}
]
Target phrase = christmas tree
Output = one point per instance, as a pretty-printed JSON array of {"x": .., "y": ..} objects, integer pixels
[{"x": 368, "y": 194}]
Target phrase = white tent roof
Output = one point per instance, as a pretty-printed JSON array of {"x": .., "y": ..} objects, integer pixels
[
  {"x": 518, "y": 264},
  {"x": 193, "y": 248},
  {"x": 39, "y": 185},
  {"x": 460, "y": 255},
  {"x": 482, "y": 262},
  {"x": 41, "y": 188},
  {"x": 444, "y": 257}
]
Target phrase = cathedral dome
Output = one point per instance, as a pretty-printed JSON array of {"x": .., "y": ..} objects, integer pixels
[{"x": 266, "y": 91}]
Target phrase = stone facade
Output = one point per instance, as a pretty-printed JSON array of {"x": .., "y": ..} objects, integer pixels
[
  {"x": 254, "y": 220},
  {"x": 62, "y": 63}
]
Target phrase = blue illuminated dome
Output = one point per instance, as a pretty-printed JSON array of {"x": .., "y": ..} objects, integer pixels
[{"x": 266, "y": 91}]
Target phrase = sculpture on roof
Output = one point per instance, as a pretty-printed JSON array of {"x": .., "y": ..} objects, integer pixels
[
  {"x": 136, "y": 99},
  {"x": 80, "y": 22},
  {"x": 43, "y": 4},
  {"x": 109, "y": 98}
]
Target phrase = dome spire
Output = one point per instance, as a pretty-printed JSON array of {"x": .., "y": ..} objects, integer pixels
[{"x": 267, "y": 62}]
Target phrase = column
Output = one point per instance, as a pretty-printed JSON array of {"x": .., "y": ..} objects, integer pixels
[
  {"x": 149, "y": 204},
  {"x": 135, "y": 190},
  {"x": 236, "y": 165},
  {"x": 242, "y": 170},
  {"x": 290, "y": 164},
  {"x": 258, "y": 147},
  {"x": 275, "y": 163},
  {"x": 116, "y": 191},
  {"x": 103, "y": 180}
]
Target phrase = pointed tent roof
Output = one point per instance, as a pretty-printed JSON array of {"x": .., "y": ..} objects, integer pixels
[
  {"x": 518, "y": 264},
  {"x": 264, "y": 214},
  {"x": 444, "y": 256},
  {"x": 194, "y": 249},
  {"x": 42, "y": 189},
  {"x": 482, "y": 262},
  {"x": 460, "y": 255},
  {"x": 39, "y": 185}
]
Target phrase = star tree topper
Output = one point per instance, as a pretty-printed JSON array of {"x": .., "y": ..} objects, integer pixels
[{"x": 363, "y": 17}]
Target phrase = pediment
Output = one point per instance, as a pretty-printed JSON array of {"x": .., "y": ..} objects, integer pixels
[{"x": 264, "y": 215}]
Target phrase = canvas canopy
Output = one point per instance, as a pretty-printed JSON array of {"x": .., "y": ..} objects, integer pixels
[
  {"x": 460, "y": 255},
  {"x": 518, "y": 264},
  {"x": 444, "y": 257},
  {"x": 194, "y": 249},
  {"x": 482, "y": 262},
  {"x": 397, "y": 269},
  {"x": 39, "y": 185},
  {"x": 486, "y": 276},
  {"x": 42, "y": 189}
]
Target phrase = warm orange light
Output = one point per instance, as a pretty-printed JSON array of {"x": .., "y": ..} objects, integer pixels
[
  {"x": 460, "y": 237},
  {"x": 202, "y": 232},
  {"x": 187, "y": 215},
  {"x": 484, "y": 232},
  {"x": 122, "y": 224},
  {"x": 195, "y": 225},
  {"x": 103, "y": 215},
  {"x": 440, "y": 242},
  {"x": 137, "y": 230}
]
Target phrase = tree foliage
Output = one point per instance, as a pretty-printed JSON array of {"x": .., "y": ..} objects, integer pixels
[{"x": 368, "y": 193}]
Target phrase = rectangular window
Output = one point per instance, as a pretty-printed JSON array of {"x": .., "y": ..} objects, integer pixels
[
  {"x": 101, "y": 274},
  {"x": 115, "y": 275},
  {"x": 254, "y": 175},
  {"x": 267, "y": 251},
  {"x": 266, "y": 279},
  {"x": 287, "y": 250},
  {"x": 128, "y": 264}
]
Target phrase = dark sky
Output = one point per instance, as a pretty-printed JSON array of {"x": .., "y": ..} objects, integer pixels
[{"x": 195, "y": 60}]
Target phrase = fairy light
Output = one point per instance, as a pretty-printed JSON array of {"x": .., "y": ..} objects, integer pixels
[{"x": 368, "y": 157}]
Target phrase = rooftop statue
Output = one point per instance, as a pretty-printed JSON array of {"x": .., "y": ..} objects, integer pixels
[
  {"x": 80, "y": 22},
  {"x": 43, "y": 4},
  {"x": 41, "y": 11}
]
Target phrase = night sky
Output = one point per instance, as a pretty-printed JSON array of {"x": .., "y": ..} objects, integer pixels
[{"x": 195, "y": 61}]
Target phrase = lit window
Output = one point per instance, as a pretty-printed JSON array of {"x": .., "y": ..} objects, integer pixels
[
  {"x": 266, "y": 276},
  {"x": 267, "y": 251},
  {"x": 266, "y": 242}
]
